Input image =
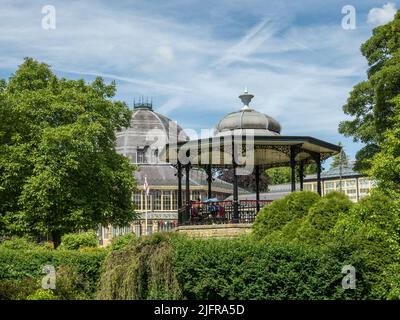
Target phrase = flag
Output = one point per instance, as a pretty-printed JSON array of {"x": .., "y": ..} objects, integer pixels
[{"x": 146, "y": 186}]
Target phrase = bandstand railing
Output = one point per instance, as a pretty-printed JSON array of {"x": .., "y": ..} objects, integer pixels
[{"x": 220, "y": 212}]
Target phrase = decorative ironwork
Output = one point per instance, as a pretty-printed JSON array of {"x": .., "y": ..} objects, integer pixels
[{"x": 220, "y": 212}]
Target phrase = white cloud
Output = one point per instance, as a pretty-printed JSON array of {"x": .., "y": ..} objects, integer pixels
[{"x": 379, "y": 16}]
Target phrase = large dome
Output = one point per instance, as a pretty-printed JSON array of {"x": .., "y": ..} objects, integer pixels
[
  {"x": 147, "y": 135},
  {"x": 247, "y": 119}
]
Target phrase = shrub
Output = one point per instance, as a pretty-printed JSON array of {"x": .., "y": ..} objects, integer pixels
[
  {"x": 277, "y": 214},
  {"x": 74, "y": 241},
  {"x": 372, "y": 229},
  {"x": 140, "y": 270},
  {"x": 74, "y": 269},
  {"x": 42, "y": 294},
  {"x": 12, "y": 289},
  {"x": 315, "y": 228},
  {"x": 122, "y": 241},
  {"x": 17, "y": 243}
]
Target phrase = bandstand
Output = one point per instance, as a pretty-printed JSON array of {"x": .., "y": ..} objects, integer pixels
[{"x": 249, "y": 142}]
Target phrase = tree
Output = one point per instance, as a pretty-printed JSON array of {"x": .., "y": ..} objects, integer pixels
[
  {"x": 385, "y": 166},
  {"x": 341, "y": 158},
  {"x": 282, "y": 175},
  {"x": 59, "y": 171},
  {"x": 278, "y": 175},
  {"x": 371, "y": 101}
]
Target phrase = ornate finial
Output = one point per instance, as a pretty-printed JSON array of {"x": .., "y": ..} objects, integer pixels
[{"x": 246, "y": 98}]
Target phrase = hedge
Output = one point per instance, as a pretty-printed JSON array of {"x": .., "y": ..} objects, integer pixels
[
  {"x": 171, "y": 266},
  {"x": 77, "y": 272}
]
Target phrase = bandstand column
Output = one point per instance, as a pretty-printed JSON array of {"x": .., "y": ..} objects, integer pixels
[
  {"x": 293, "y": 168},
  {"x": 301, "y": 174},
  {"x": 318, "y": 162},
  {"x": 235, "y": 195},
  {"x": 209, "y": 181},
  {"x": 187, "y": 190},
  {"x": 257, "y": 178},
  {"x": 235, "y": 186},
  {"x": 179, "y": 174}
]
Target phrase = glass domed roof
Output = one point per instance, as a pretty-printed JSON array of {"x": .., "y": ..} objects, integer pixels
[
  {"x": 247, "y": 119},
  {"x": 149, "y": 131}
]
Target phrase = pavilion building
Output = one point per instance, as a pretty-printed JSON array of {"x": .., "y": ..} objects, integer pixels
[
  {"x": 346, "y": 180},
  {"x": 141, "y": 143}
]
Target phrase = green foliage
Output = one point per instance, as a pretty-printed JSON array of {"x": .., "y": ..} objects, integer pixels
[
  {"x": 340, "y": 159},
  {"x": 372, "y": 230},
  {"x": 17, "y": 289},
  {"x": 42, "y": 294},
  {"x": 277, "y": 214},
  {"x": 18, "y": 243},
  {"x": 316, "y": 226},
  {"x": 75, "y": 241},
  {"x": 282, "y": 174},
  {"x": 385, "y": 166},
  {"x": 59, "y": 171},
  {"x": 177, "y": 267},
  {"x": 122, "y": 241},
  {"x": 313, "y": 226},
  {"x": 141, "y": 270},
  {"x": 77, "y": 272},
  {"x": 371, "y": 102}
]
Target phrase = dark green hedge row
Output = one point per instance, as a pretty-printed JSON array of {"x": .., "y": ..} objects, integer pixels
[
  {"x": 175, "y": 267},
  {"x": 77, "y": 272}
]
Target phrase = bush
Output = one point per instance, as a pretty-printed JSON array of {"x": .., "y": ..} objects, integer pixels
[
  {"x": 12, "y": 289},
  {"x": 77, "y": 272},
  {"x": 75, "y": 241},
  {"x": 140, "y": 270},
  {"x": 371, "y": 229},
  {"x": 42, "y": 294},
  {"x": 17, "y": 243},
  {"x": 122, "y": 241},
  {"x": 277, "y": 214},
  {"x": 315, "y": 228}
]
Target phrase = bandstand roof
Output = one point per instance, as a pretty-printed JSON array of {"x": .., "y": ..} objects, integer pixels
[
  {"x": 269, "y": 151},
  {"x": 253, "y": 137}
]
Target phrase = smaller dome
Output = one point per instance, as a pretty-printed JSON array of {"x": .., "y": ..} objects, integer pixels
[{"x": 248, "y": 119}]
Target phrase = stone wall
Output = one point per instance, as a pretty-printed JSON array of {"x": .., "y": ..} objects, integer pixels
[{"x": 216, "y": 230}]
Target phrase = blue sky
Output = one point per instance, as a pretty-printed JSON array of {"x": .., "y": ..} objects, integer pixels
[{"x": 195, "y": 57}]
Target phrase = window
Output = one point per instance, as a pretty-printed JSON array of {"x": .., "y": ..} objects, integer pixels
[
  {"x": 329, "y": 185},
  {"x": 174, "y": 195},
  {"x": 149, "y": 227},
  {"x": 196, "y": 195},
  {"x": 350, "y": 183},
  {"x": 167, "y": 200},
  {"x": 140, "y": 156},
  {"x": 118, "y": 231},
  {"x": 308, "y": 187},
  {"x": 156, "y": 200},
  {"x": 137, "y": 200}
]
